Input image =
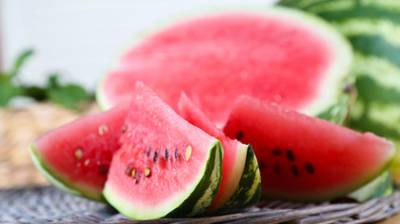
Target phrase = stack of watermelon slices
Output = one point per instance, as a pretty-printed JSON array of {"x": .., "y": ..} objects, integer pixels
[{"x": 164, "y": 153}]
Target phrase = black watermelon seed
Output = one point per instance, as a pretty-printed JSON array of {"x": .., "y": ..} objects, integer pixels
[
  {"x": 176, "y": 154},
  {"x": 290, "y": 155},
  {"x": 276, "y": 152},
  {"x": 309, "y": 168},
  {"x": 295, "y": 171},
  {"x": 148, "y": 152},
  {"x": 166, "y": 154},
  {"x": 103, "y": 169},
  {"x": 155, "y": 156},
  {"x": 277, "y": 168},
  {"x": 240, "y": 135}
]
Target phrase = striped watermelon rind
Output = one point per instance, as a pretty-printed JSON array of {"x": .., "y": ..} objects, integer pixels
[
  {"x": 381, "y": 186},
  {"x": 249, "y": 189},
  {"x": 61, "y": 182}
]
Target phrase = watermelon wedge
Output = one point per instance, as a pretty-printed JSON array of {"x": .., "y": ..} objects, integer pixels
[
  {"x": 76, "y": 157},
  {"x": 166, "y": 166},
  {"x": 304, "y": 158},
  {"x": 235, "y": 166},
  {"x": 273, "y": 54}
]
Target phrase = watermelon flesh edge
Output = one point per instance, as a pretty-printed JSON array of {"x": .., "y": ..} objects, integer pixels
[
  {"x": 166, "y": 166},
  {"x": 183, "y": 57},
  {"x": 303, "y": 158},
  {"x": 57, "y": 180},
  {"x": 76, "y": 156},
  {"x": 234, "y": 153}
]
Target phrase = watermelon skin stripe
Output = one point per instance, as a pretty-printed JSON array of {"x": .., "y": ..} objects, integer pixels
[
  {"x": 249, "y": 189},
  {"x": 376, "y": 45},
  {"x": 362, "y": 12},
  {"x": 58, "y": 181},
  {"x": 203, "y": 195}
]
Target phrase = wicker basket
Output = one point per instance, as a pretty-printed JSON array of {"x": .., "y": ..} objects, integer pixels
[{"x": 19, "y": 127}]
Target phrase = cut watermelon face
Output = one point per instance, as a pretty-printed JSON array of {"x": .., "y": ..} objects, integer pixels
[
  {"x": 166, "y": 166},
  {"x": 274, "y": 54},
  {"x": 303, "y": 158},
  {"x": 232, "y": 190},
  {"x": 77, "y": 156}
]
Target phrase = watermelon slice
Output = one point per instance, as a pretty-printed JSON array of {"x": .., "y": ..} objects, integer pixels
[
  {"x": 230, "y": 194},
  {"x": 304, "y": 158},
  {"x": 273, "y": 54},
  {"x": 166, "y": 166},
  {"x": 77, "y": 156}
]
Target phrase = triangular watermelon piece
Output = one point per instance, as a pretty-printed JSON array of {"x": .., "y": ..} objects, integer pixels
[
  {"x": 166, "y": 166},
  {"x": 240, "y": 183},
  {"x": 76, "y": 157},
  {"x": 304, "y": 158}
]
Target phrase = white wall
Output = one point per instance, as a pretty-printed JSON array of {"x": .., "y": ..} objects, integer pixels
[{"x": 81, "y": 38}]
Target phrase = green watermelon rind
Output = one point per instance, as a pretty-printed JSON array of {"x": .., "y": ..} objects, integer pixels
[
  {"x": 249, "y": 189},
  {"x": 61, "y": 182},
  {"x": 194, "y": 201},
  {"x": 326, "y": 105},
  {"x": 379, "y": 187}
]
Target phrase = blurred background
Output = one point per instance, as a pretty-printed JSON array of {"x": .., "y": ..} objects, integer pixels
[{"x": 81, "y": 39}]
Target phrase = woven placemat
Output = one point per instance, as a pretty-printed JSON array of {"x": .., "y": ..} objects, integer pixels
[{"x": 49, "y": 205}]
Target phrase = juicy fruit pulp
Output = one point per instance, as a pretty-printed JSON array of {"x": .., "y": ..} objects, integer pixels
[
  {"x": 77, "y": 156},
  {"x": 233, "y": 162},
  {"x": 272, "y": 47},
  {"x": 165, "y": 166},
  {"x": 304, "y": 158}
]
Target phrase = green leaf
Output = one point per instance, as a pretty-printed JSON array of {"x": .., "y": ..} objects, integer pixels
[
  {"x": 35, "y": 92},
  {"x": 71, "y": 96},
  {"x": 20, "y": 62},
  {"x": 8, "y": 90}
]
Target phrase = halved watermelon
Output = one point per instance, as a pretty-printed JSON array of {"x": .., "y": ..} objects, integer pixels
[
  {"x": 76, "y": 157},
  {"x": 166, "y": 166},
  {"x": 234, "y": 162},
  {"x": 273, "y": 54},
  {"x": 304, "y": 158}
]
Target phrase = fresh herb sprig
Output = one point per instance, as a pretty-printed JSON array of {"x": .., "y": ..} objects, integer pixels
[{"x": 69, "y": 95}]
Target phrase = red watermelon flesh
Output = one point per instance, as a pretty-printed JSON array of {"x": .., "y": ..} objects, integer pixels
[
  {"x": 275, "y": 55},
  {"x": 162, "y": 162},
  {"x": 77, "y": 156},
  {"x": 304, "y": 158},
  {"x": 234, "y": 153}
]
